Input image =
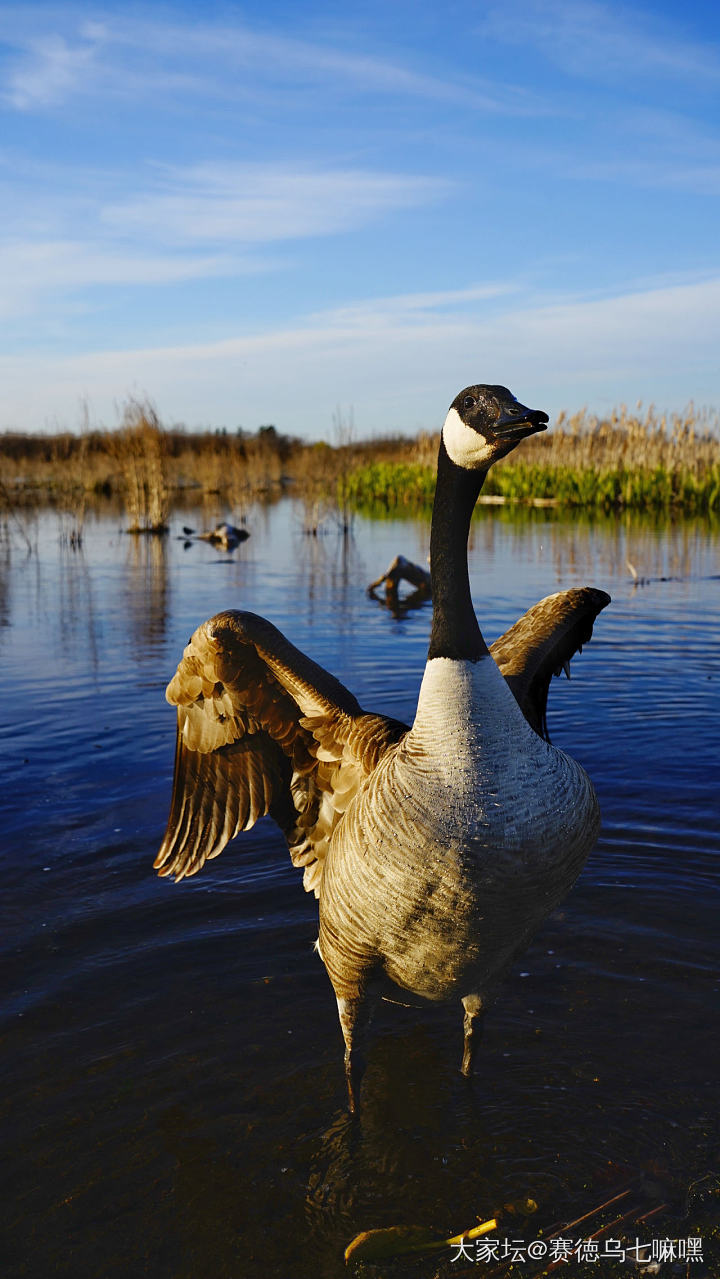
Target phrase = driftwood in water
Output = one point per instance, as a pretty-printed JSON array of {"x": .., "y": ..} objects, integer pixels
[
  {"x": 402, "y": 570},
  {"x": 223, "y": 535}
]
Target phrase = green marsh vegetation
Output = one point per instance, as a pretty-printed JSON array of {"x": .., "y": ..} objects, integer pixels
[
  {"x": 635, "y": 461},
  {"x": 629, "y": 461}
]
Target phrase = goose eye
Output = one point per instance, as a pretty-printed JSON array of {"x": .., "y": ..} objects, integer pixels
[{"x": 469, "y": 402}]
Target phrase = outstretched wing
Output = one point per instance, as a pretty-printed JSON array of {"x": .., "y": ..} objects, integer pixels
[
  {"x": 262, "y": 729},
  {"x": 541, "y": 645}
]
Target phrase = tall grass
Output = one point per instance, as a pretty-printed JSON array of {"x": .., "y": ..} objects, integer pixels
[
  {"x": 629, "y": 461},
  {"x": 140, "y": 451},
  {"x": 392, "y": 484},
  {"x": 321, "y": 475}
]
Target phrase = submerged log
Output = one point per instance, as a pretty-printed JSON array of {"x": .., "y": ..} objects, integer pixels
[
  {"x": 224, "y": 535},
  {"x": 402, "y": 570}
]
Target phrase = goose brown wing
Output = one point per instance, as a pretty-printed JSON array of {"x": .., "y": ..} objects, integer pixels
[
  {"x": 541, "y": 645},
  {"x": 261, "y": 728}
]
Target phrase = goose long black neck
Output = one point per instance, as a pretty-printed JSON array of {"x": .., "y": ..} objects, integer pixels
[{"x": 455, "y": 631}]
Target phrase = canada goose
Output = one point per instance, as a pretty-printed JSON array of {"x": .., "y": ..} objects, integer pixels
[{"x": 436, "y": 851}]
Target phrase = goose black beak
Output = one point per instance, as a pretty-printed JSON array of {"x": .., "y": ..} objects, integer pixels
[{"x": 520, "y": 422}]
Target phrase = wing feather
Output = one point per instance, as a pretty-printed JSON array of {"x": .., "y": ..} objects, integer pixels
[
  {"x": 541, "y": 645},
  {"x": 262, "y": 729}
]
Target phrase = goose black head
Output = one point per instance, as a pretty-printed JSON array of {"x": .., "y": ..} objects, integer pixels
[{"x": 484, "y": 423}]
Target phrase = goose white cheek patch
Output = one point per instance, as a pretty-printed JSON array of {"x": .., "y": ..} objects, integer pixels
[{"x": 464, "y": 446}]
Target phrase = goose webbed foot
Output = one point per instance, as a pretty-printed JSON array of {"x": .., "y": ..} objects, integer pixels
[{"x": 473, "y": 1023}]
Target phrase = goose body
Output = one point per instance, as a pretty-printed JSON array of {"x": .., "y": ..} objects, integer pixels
[
  {"x": 437, "y": 850},
  {"x": 467, "y": 842}
]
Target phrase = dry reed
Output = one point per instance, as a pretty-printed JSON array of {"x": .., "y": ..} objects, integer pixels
[
  {"x": 140, "y": 451},
  {"x": 636, "y": 460},
  {"x": 629, "y": 460}
]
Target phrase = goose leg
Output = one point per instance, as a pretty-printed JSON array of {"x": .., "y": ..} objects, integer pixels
[
  {"x": 353, "y": 1017},
  {"x": 472, "y": 1029}
]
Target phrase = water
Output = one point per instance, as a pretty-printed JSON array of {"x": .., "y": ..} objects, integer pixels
[{"x": 174, "y": 1097}]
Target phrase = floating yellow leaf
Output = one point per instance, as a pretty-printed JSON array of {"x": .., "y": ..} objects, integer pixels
[{"x": 392, "y": 1241}]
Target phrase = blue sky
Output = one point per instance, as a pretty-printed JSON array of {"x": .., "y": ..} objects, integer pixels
[{"x": 261, "y": 213}]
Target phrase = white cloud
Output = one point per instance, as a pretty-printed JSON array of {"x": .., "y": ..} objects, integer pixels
[
  {"x": 49, "y": 71},
  {"x": 136, "y": 58},
  {"x": 409, "y": 307},
  {"x": 399, "y": 371},
  {"x": 32, "y": 273},
  {"x": 209, "y": 221},
  {"x": 634, "y": 147},
  {"x": 663, "y": 173},
  {"x": 292, "y": 59},
  {"x": 600, "y": 41},
  {"x": 262, "y": 203}
]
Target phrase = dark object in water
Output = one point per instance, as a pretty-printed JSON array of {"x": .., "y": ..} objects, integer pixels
[
  {"x": 224, "y": 535},
  {"x": 402, "y": 570}
]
